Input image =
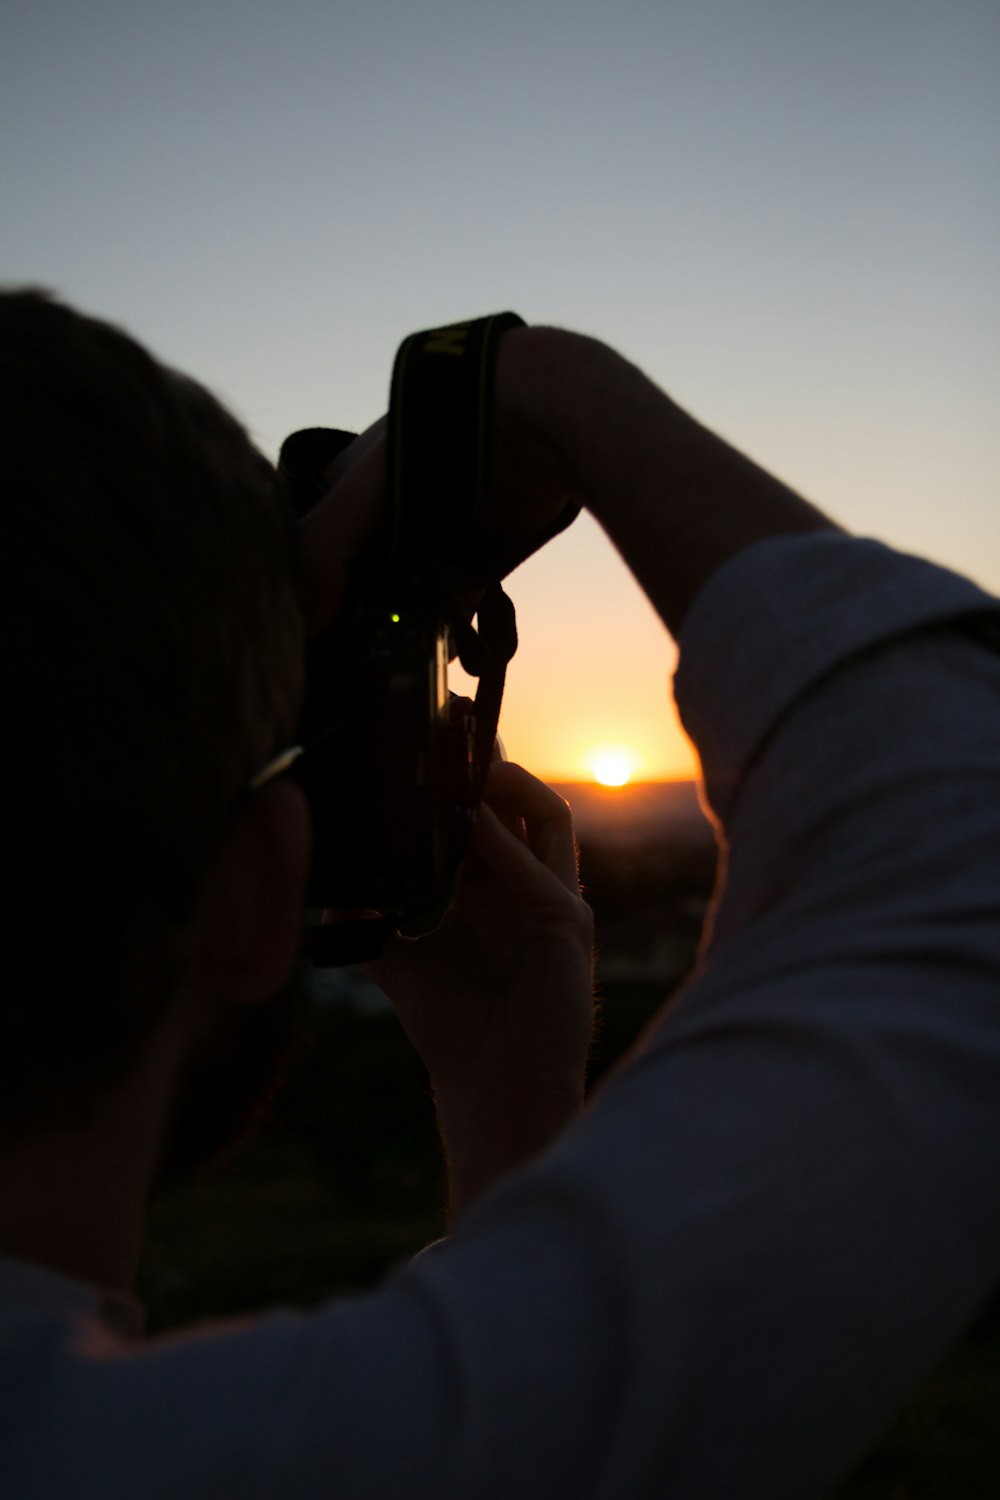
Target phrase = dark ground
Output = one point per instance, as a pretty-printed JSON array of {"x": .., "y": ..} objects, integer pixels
[{"x": 348, "y": 1181}]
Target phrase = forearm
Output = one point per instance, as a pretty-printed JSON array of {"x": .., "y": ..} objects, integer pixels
[
  {"x": 487, "y": 1138},
  {"x": 676, "y": 500}
]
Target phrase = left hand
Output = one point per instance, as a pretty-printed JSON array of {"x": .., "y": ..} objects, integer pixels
[{"x": 498, "y": 1001}]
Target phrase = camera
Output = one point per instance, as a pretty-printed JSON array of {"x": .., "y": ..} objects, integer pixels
[{"x": 392, "y": 764}]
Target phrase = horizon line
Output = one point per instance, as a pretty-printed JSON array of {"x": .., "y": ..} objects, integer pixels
[{"x": 603, "y": 786}]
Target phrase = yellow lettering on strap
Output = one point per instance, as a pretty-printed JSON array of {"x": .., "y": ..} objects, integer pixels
[{"x": 447, "y": 340}]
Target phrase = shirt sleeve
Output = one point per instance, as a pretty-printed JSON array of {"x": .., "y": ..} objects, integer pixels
[
  {"x": 786, "y": 1201},
  {"x": 775, "y": 1217}
]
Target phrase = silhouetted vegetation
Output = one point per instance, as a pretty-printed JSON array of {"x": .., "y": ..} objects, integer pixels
[{"x": 346, "y": 1181}]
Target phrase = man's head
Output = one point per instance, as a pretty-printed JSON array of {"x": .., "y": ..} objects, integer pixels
[{"x": 151, "y": 663}]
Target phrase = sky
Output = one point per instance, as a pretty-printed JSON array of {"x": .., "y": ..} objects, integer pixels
[{"x": 787, "y": 212}]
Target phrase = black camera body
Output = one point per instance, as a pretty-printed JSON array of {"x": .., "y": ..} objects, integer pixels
[
  {"x": 392, "y": 765},
  {"x": 389, "y": 768}
]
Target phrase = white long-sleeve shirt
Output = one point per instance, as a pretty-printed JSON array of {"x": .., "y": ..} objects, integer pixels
[{"x": 766, "y": 1227}]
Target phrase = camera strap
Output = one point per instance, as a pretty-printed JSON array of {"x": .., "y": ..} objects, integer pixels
[
  {"x": 439, "y": 451},
  {"x": 440, "y": 446}
]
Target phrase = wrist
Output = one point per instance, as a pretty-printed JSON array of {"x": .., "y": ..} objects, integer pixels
[
  {"x": 676, "y": 500},
  {"x": 588, "y": 405},
  {"x": 487, "y": 1137}
]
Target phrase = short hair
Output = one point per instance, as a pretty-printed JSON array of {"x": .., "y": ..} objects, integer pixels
[{"x": 152, "y": 659}]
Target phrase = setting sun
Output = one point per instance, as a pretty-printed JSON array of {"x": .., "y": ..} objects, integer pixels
[{"x": 612, "y": 767}]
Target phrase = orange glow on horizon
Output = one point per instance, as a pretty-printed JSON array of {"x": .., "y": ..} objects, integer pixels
[
  {"x": 550, "y": 725},
  {"x": 592, "y": 673}
]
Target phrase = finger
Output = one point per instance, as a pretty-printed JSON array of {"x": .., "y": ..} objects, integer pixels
[
  {"x": 505, "y": 809},
  {"x": 337, "y": 528},
  {"x": 372, "y": 437},
  {"x": 519, "y": 872},
  {"x": 512, "y": 792}
]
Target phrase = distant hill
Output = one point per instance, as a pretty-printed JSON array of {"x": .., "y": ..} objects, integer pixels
[
  {"x": 647, "y": 865},
  {"x": 643, "y": 812}
]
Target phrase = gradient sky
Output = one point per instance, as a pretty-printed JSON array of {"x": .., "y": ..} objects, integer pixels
[{"x": 787, "y": 213}]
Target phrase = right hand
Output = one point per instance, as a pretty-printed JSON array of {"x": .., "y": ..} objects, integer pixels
[{"x": 498, "y": 1000}]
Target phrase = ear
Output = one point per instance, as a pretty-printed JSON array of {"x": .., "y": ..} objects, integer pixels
[{"x": 251, "y": 911}]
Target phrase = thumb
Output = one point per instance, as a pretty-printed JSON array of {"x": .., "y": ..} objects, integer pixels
[{"x": 335, "y": 530}]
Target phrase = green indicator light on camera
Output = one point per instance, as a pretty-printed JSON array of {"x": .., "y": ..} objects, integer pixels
[{"x": 394, "y": 619}]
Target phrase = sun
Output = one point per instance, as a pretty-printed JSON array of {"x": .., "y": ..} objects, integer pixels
[{"x": 612, "y": 767}]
